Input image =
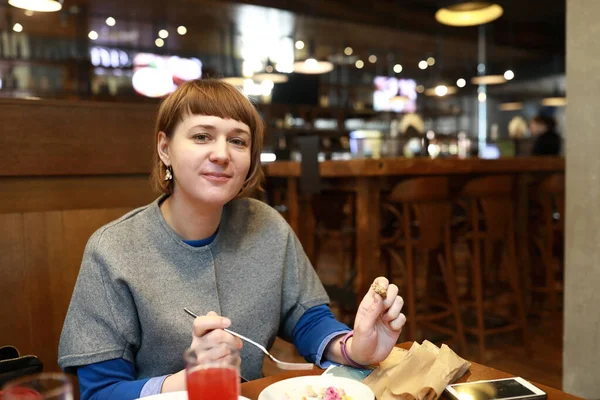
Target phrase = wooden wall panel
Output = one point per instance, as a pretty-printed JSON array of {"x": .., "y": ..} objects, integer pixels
[
  {"x": 14, "y": 308},
  {"x": 44, "y": 138},
  {"x": 40, "y": 256},
  {"x": 44, "y": 256},
  {"x": 30, "y": 194}
]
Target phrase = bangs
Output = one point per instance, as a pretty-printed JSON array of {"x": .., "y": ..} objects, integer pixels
[{"x": 219, "y": 100}]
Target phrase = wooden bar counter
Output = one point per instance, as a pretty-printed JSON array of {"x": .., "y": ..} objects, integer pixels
[{"x": 364, "y": 178}]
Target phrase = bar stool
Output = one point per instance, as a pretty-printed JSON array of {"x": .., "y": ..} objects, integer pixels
[
  {"x": 490, "y": 222},
  {"x": 420, "y": 209},
  {"x": 334, "y": 223},
  {"x": 334, "y": 216},
  {"x": 547, "y": 233}
]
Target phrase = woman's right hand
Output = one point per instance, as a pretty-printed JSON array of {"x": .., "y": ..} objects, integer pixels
[{"x": 212, "y": 343}]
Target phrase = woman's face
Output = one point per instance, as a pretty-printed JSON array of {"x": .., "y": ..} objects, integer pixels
[
  {"x": 210, "y": 157},
  {"x": 537, "y": 128}
]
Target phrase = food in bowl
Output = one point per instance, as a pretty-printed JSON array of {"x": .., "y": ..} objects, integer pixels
[{"x": 323, "y": 393}]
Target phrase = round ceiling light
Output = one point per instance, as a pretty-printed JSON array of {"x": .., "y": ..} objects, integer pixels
[
  {"x": 470, "y": 13},
  {"x": 514, "y": 106},
  {"x": 37, "y": 5},
  {"x": 237, "y": 81},
  {"x": 441, "y": 91},
  {"x": 268, "y": 74},
  {"x": 488, "y": 80},
  {"x": 554, "y": 101},
  {"x": 312, "y": 67}
]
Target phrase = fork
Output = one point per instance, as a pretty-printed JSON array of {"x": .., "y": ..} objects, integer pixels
[{"x": 279, "y": 363}]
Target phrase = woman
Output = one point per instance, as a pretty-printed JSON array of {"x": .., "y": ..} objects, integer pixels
[
  {"x": 547, "y": 141},
  {"x": 204, "y": 246}
]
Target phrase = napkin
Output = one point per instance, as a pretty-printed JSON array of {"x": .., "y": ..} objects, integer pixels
[{"x": 420, "y": 373}]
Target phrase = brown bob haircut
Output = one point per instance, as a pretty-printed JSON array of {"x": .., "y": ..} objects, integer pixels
[{"x": 214, "y": 98}]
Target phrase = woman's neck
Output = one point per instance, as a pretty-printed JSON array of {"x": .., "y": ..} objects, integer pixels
[{"x": 190, "y": 221}]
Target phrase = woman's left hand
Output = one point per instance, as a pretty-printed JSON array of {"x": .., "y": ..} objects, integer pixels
[{"x": 377, "y": 326}]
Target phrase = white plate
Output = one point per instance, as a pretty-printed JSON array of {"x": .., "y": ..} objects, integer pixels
[
  {"x": 177, "y": 396},
  {"x": 354, "y": 389}
]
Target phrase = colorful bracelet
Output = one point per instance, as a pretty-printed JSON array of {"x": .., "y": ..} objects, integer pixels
[{"x": 345, "y": 351}]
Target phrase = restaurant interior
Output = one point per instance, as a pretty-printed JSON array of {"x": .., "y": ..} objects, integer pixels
[{"x": 402, "y": 140}]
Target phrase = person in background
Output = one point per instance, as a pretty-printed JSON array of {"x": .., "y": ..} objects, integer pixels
[
  {"x": 547, "y": 141},
  {"x": 204, "y": 245}
]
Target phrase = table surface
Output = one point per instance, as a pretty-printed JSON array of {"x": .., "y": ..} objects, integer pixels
[{"x": 477, "y": 372}]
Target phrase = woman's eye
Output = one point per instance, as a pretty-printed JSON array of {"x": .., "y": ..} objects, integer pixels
[
  {"x": 238, "y": 142},
  {"x": 201, "y": 137}
]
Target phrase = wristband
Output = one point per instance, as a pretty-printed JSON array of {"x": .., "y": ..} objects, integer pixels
[{"x": 345, "y": 351}]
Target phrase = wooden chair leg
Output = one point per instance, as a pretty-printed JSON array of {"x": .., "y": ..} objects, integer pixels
[
  {"x": 453, "y": 286},
  {"x": 549, "y": 263},
  {"x": 516, "y": 284},
  {"x": 410, "y": 274},
  {"x": 342, "y": 263},
  {"x": 408, "y": 295},
  {"x": 478, "y": 281}
]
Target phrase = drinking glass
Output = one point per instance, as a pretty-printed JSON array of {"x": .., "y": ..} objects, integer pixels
[
  {"x": 44, "y": 386},
  {"x": 212, "y": 380}
]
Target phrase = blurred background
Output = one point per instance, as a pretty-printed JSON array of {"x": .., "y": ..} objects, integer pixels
[{"x": 368, "y": 64}]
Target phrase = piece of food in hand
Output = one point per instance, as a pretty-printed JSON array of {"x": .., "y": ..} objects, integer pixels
[{"x": 380, "y": 290}]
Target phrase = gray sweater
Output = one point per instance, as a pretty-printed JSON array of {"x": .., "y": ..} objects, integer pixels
[{"x": 137, "y": 275}]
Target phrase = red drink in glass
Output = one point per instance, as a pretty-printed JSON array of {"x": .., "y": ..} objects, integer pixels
[{"x": 213, "y": 383}]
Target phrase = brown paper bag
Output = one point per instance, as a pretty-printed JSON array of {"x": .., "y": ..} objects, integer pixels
[{"x": 420, "y": 373}]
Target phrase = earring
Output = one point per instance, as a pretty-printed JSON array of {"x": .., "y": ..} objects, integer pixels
[{"x": 168, "y": 174}]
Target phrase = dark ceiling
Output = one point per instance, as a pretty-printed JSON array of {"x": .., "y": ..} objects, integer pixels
[
  {"x": 530, "y": 33},
  {"x": 528, "y": 24}
]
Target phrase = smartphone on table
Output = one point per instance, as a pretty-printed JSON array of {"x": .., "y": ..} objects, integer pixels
[{"x": 515, "y": 388}]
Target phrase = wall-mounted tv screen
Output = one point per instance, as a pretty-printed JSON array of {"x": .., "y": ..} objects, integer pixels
[
  {"x": 393, "y": 94},
  {"x": 157, "y": 76}
]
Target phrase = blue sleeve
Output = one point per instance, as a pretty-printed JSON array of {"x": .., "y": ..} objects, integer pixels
[
  {"x": 112, "y": 379},
  {"x": 313, "y": 332},
  {"x": 153, "y": 386}
]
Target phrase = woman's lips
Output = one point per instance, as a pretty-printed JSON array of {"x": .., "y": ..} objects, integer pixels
[{"x": 216, "y": 176}]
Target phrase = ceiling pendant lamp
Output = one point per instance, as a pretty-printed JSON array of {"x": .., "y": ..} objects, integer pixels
[
  {"x": 233, "y": 76},
  {"x": 237, "y": 81},
  {"x": 511, "y": 106},
  {"x": 558, "y": 98},
  {"x": 399, "y": 99},
  {"x": 441, "y": 91},
  {"x": 554, "y": 101},
  {"x": 311, "y": 65},
  {"x": 270, "y": 74},
  {"x": 488, "y": 80},
  {"x": 469, "y": 13},
  {"x": 38, "y": 5}
]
